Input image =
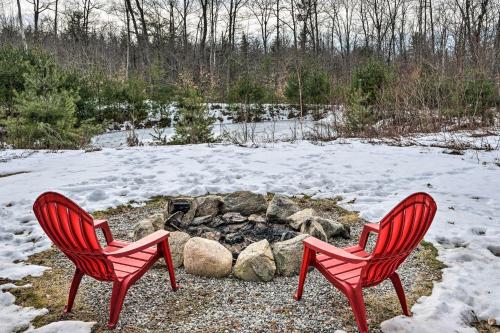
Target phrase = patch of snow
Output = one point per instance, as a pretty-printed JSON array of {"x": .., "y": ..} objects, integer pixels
[
  {"x": 64, "y": 327},
  {"x": 466, "y": 189},
  {"x": 14, "y": 318}
]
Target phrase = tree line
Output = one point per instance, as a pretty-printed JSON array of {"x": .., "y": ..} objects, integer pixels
[{"x": 415, "y": 63}]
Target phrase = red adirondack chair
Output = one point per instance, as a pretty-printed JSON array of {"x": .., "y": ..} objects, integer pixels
[
  {"x": 73, "y": 231},
  {"x": 351, "y": 269}
]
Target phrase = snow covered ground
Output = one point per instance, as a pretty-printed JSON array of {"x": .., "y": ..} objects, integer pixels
[
  {"x": 281, "y": 130},
  {"x": 466, "y": 187}
]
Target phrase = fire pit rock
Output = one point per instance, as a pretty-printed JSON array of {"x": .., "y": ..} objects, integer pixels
[
  {"x": 263, "y": 239},
  {"x": 288, "y": 255},
  {"x": 142, "y": 229},
  {"x": 280, "y": 208},
  {"x": 296, "y": 220},
  {"x": 245, "y": 202},
  {"x": 177, "y": 240},
  {"x": 205, "y": 257},
  {"x": 208, "y": 205},
  {"x": 256, "y": 262},
  {"x": 324, "y": 229}
]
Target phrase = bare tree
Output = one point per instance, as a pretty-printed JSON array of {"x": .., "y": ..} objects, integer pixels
[
  {"x": 21, "y": 27},
  {"x": 39, "y": 6},
  {"x": 262, "y": 10}
]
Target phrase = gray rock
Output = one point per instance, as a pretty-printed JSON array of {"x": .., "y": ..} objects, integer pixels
[
  {"x": 255, "y": 262},
  {"x": 188, "y": 217},
  {"x": 205, "y": 257},
  {"x": 143, "y": 228},
  {"x": 213, "y": 235},
  {"x": 288, "y": 255},
  {"x": 313, "y": 228},
  {"x": 201, "y": 220},
  {"x": 280, "y": 208},
  {"x": 333, "y": 228},
  {"x": 324, "y": 229},
  {"x": 234, "y": 238},
  {"x": 208, "y": 205},
  {"x": 158, "y": 221},
  {"x": 296, "y": 220},
  {"x": 174, "y": 220},
  {"x": 176, "y": 242},
  {"x": 232, "y": 218},
  {"x": 257, "y": 218},
  {"x": 245, "y": 203},
  {"x": 288, "y": 235}
]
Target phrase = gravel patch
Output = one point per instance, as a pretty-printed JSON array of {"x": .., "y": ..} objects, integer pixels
[{"x": 232, "y": 305}]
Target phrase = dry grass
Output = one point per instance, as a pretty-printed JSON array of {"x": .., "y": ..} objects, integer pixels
[
  {"x": 382, "y": 307},
  {"x": 49, "y": 291}
]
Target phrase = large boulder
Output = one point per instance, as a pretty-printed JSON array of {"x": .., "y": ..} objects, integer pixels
[
  {"x": 296, "y": 220},
  {"x": 176, "y": 241},
  {"x": 208, "y": 205},
  {"x": 280, "y": 208},
  {"x": 143, "y": 228},
  {"x": 255, "y": 262},
  {"x": 288, "y": 255},
  {"x": 324, "y": 229},
  {"x": 205, "y": 257},
  {"x": 245, "y": 203}
]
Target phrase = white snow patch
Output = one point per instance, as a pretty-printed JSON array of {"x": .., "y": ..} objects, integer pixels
[
  {"x": 14, "y": 318},
  {"x": 64, "y": 327},
  {"x": 465, "y": 187}
]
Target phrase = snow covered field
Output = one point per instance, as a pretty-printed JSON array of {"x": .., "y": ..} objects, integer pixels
[
  {"x": 267, "y": 131},
  {"x": 466, "y": 187}
]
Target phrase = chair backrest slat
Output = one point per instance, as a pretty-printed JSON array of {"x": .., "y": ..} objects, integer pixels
[
  {"x": 72, "y": 230},
  {"x": 399, "y": 234}
]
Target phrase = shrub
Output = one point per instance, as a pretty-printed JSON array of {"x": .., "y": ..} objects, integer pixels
[
  {"x": 358, "y": 114},
  {"x": 315, "y": 87},
  {"x": 246, "y": 91},
  {"x": 44, "y": 112},
  {"x": 480, "y": 95},
  {"x": 44, "y": 121},
  {"x": 193, "y": 123},
  {"x": 369, "y": 80}
]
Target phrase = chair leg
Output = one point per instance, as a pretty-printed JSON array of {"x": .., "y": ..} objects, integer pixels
[
  {"x": 77, "y": 278},
  {"x": 116, "y": 303},
  {"x": 170, "y": 265},
  {"x": 400, "y": 291},
  {"x": 357, "y": 302},
  {"x": 306, "y": 260}
]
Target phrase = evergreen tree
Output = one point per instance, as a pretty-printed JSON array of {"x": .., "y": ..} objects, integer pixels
[
  {"x": 193, "y": 120},
  {"x": 44, "y": 112}
]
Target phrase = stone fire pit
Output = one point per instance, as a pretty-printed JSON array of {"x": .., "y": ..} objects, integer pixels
[{"x": 250, "y": 235}]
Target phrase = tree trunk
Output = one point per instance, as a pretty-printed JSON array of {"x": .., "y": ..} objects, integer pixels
[
  {"x": 56, "y": 13},
  {"x": 21, "y": 26}
]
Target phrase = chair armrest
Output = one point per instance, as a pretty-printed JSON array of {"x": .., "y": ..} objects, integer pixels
[
  {"x": 330, "y": 250},
  {"x": 104, "y": 226},
  {"x": 367, "y": 228},
  {"x": 148, "y": 241}
]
